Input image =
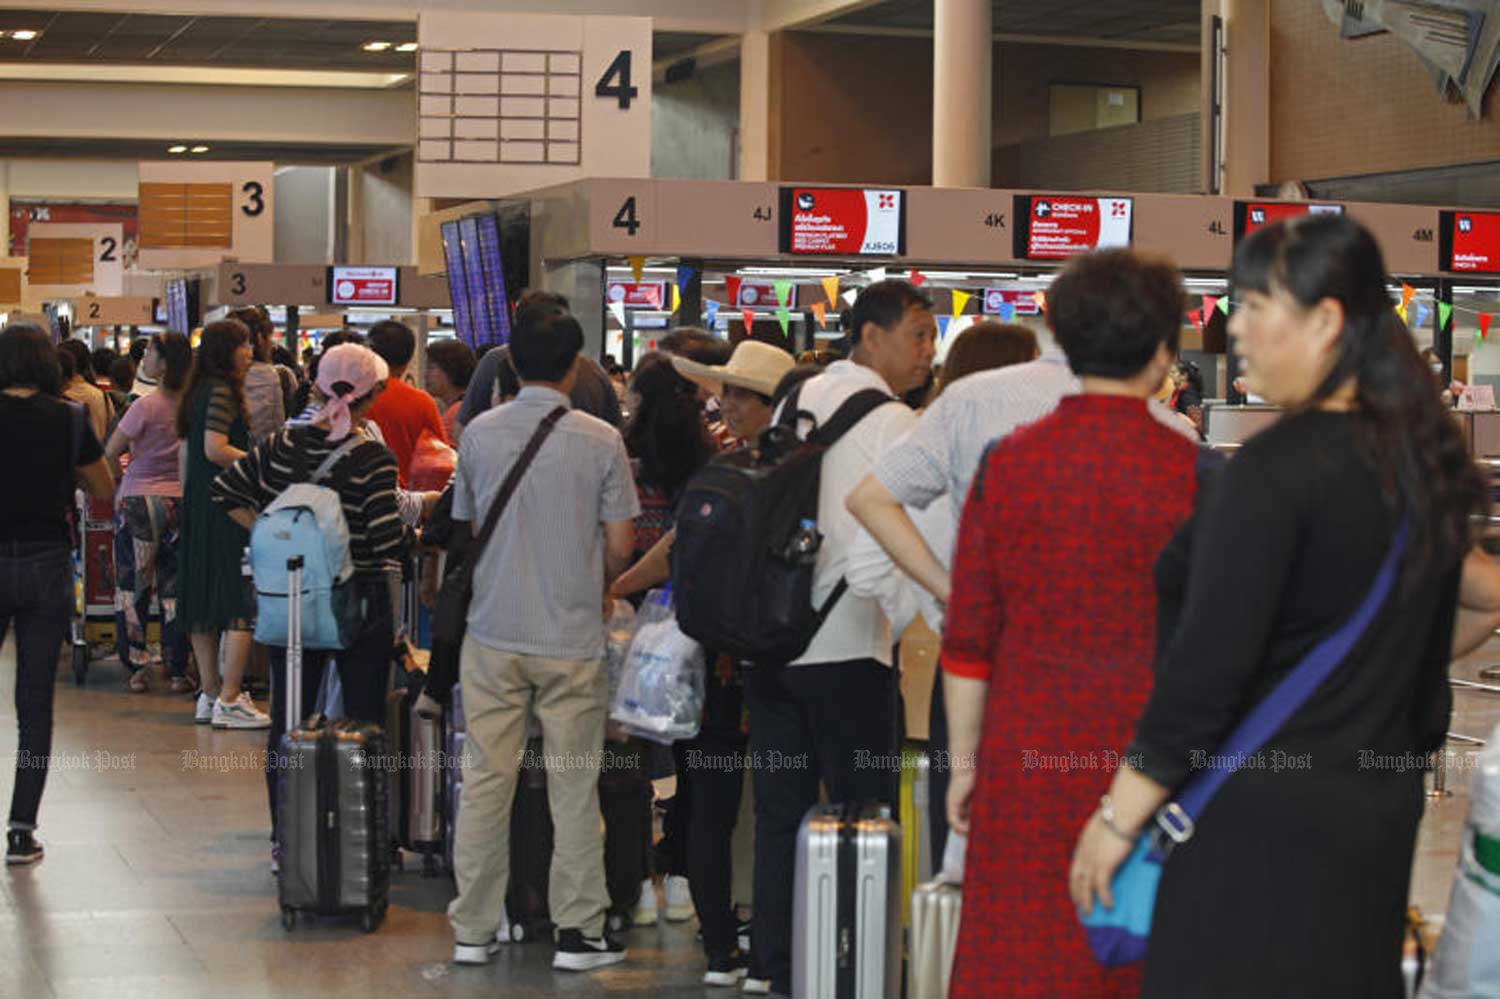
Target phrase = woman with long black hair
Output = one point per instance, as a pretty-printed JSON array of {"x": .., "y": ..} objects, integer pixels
[{"x": 1295, "y": 880}]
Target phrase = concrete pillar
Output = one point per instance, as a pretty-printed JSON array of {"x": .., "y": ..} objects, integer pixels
[
  {"x": 1246, "y": 94},
  {"x": 4, "y": 208},
  {"x": 963, "y": 87},
  {"x": 755, "y": 105}
]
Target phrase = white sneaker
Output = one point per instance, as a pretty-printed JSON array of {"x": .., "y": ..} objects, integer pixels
[
  {"x": 475, "y": 953},
  {"x": 679, "y": 899},
  {"x": 756, "y": 986},
  {"x": 645, "y": 910},
  {"x": 205, "y": 711},
  {"x": 240, "y": 714}
]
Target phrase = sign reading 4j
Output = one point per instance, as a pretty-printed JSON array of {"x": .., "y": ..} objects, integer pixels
[{"x": 514, "y": 102}]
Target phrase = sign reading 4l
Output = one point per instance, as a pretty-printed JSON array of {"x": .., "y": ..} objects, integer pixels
[{"x": 514, "y": 102}]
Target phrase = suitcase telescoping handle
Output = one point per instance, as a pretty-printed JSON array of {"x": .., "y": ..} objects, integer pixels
[{"x": 293, "y": 643}]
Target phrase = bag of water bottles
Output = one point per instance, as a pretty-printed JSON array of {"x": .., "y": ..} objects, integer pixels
[
  {"x": 1466, "y": 964},
  {"x": 660, "y": 695}
]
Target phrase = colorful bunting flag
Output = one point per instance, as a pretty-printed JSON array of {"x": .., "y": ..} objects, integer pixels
[
  {"x": 875, "y": 274},
  {"x": 943, "y": 322},
  {"x": 850, "y": 296},
  {"x": 732, "y": 288},
  {"x": 637, "y": 268},
  {"x": 1445, "y": 312},
  {"x": 617, "y": 309},
  {"x": 1197, "y": 318},
  {"x": 960, "y": 301},
  {"x": 676, "y": 298},
  {"x": 917, "y": 278},
  {"x": 1484, "y": 324},
  {"x": 820, "y": 309},
  {"x": 1210, "y": 303},
  {"x": 685, "y": 275},
  {"x": 710, "y": 312},
  {"x": 1224, "y": 305},
  {"x": 1040, "y": 298},
  {"x": 748, "y": 315},
  {"x": 784, "y": 317},
  {"x": 1401, "y": 311},
  {"x": 831, "y": 289},
  {"x": 1007, "y": 311},
  {"x": 1423, "y": 314},
  {"x": 783, "y": 292},
  {"x": 1407, "y": 294}
]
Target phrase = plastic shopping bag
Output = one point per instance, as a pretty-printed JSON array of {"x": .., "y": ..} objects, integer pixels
[
  {"x": 660, "y": 696},
  {"x": 432, "y": 464},
  {"x": 619, "y": 630}
]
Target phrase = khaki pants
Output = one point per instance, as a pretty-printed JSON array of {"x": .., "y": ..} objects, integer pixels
[{"x": 568, "y": 697}]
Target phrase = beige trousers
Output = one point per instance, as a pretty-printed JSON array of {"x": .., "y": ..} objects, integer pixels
[{"x": 569, "y": 699}]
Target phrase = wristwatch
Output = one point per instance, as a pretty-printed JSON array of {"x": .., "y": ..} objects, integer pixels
[{"x": 1107, "y": 816}]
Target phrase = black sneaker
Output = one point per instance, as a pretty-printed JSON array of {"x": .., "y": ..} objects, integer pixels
[
  {"x": 726, "y": 971},
  {"x": 22, "y": 847},
  {"x": 576, "y": 952}
]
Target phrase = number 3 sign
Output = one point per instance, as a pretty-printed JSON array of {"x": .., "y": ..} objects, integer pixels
[
  {"x": 515, "y": 102},
  {"x": 197, "y": 214}
]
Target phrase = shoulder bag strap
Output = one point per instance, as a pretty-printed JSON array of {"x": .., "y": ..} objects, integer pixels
[
  {"x": 354, "y": 440},
  {"x": 508, "y": 487},
  {"x": 1176, "y": 819},
  {"x": 855, "y": 408}
]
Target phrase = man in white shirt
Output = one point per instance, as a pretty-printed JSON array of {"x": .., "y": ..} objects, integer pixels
[{"x": 831, "y": 714}]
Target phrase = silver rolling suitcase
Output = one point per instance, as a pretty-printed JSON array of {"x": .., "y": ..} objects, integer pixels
[
  {"x": 331, "y": 801},
  {"x": 846, "y": 913},
  {"x": 416, "y": 791},
  {"x": 453, "y": 770},
  {"x": 935, "y": 910}
]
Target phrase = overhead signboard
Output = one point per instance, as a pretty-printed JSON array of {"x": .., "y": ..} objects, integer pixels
[
  {"x": 638, "y": 295},
  {"x": 197, "y": 214},
  {"x": 69, "y": 260},
  {"x": 12, "y": 282},
  {"x": 514, "y": 102},
  {"x": 363, "y": 285},
  {"x": 1059, "y": 226},
  {"x": 95, "y": 311},
  {"x": 1252, "y": 215},
  {"x": 762, "y": 295},
  {"x": 1469, "y": 242},
  {"x": 843, "y": 221}
]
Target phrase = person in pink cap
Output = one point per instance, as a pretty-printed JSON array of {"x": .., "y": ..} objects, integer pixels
[{"x": 364, "y": 476}]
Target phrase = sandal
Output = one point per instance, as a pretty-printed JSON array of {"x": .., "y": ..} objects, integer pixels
[{"x": 136, "y": 682}]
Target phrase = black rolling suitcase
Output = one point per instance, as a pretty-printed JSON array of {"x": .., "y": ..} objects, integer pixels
[
  {"x": 332, "y": 804},
  {"x": 530, "y": 850}
]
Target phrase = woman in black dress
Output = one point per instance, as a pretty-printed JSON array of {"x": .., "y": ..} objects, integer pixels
[{"x": 1295, "y": 882}]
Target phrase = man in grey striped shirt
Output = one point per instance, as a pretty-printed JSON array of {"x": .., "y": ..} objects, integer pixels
[{"x": 535, "y": 641}]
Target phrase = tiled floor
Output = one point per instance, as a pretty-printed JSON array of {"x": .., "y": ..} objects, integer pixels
[{"x": 156, "y": 881}]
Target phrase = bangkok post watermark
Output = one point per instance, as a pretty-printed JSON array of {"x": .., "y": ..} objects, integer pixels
[
  {"x": 1274, "y": 761},
  {"x": 97, "y": 760},
  {"x": 1455, "y": 762},
  {"x": 1104, "y": 760},
  {"x": 735, "y": 762}
]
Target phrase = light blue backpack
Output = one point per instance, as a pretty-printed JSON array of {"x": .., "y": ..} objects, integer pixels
[{"x": 307, "y": 519}]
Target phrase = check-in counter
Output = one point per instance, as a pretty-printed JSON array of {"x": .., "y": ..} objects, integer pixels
[
  {"x": 1229, "y": 425},
  {"x": 1482, "y": 431}
]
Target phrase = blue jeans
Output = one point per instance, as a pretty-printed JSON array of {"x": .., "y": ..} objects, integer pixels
[{"x": 36, "y": 593}]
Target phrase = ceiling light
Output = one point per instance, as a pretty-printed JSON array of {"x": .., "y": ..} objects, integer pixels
[
  {"x": 199, "y": 149},
  {"x": 407, "y": 47},
  {"x": 375, "y": 46},
  {"x": 176, "y": 149},
  {"x": 25, "y": 35}
]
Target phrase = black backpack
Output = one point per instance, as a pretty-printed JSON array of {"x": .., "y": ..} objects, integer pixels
[{"x": 748, "y": 539}]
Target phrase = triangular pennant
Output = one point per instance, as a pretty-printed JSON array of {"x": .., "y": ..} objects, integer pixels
[
  {"x": 617, "y": 309},
  {"x": 685, "y": 275},
  {"x": 637, "y": 268},
  {"x": 850, "y": 296},
  {"x": 1040, "y": 298},
  {"x": 1484, "y": 324},
  {"x": 1423, "y": 314},
  {"x": 783, "y": 292},
  {"x": 748, "y": 315},
  {"x": 917, "y": 278},
  {"x": 732, "y": 288},
  {"x": 1407, "y": 294},
  {"x": 1210, "y": 303},
  {"x": 1401, "y": 311},
  {"x": 1224, "y": 305},
  {"x": 1007, "y": 311},
  {"x": 784, "y": 317},
  {"x": 710, "y": 312},
  {"x": 1445, "y": 312},
  {"x": 875, "y": 274},
  {"x": 943, "y": 322},
  {"x": 676, "y": 298},
  {"x": 820, "y": 309},
  {"x": 960, "y": 301},
  {"x": 1197, "y": 318},
  {"x": 831, "y": 289}
]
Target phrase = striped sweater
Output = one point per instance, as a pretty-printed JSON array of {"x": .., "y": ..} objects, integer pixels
[{"x": 365, "y": 480}]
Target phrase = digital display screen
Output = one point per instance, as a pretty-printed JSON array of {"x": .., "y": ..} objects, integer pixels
[
  {"x": 754, "y": 295},
  {"x": 1021, "y": 301},
  {"x": 1059, "y": 226},
  {"x": 479, "y": 304},
  {"x": 1252, "y": 215},
  {"x": 458, "y": 289},
  {"x": 363, "y": 285},
  {"x": 638, "y": 294},
  {"x": 177, "y": 307},
  {"x": 498, "y": 305},
  {"x": 1469, "y": 242},
  {"x": 843, "y": 221}
]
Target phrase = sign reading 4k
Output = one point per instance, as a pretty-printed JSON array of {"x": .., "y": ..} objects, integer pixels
[{"x": 513, "y": 102}]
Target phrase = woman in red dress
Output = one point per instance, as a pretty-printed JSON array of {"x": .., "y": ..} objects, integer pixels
[{"x": 1052, "y": 623}]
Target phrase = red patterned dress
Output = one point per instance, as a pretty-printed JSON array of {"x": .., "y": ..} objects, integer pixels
[{"x": 1054, "y": 604}]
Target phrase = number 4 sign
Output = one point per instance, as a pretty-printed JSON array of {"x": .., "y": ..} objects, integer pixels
[{"x": 515, "y": 102}]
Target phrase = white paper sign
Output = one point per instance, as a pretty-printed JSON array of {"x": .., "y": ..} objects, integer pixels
[
  {"x": 199, "y": 214},
  {"x": 1476, "y": 397},
  {"x": 50, "y": 243}
]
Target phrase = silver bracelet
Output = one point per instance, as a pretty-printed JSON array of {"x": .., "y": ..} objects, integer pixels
[{"x": 1107, "y": 816}]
